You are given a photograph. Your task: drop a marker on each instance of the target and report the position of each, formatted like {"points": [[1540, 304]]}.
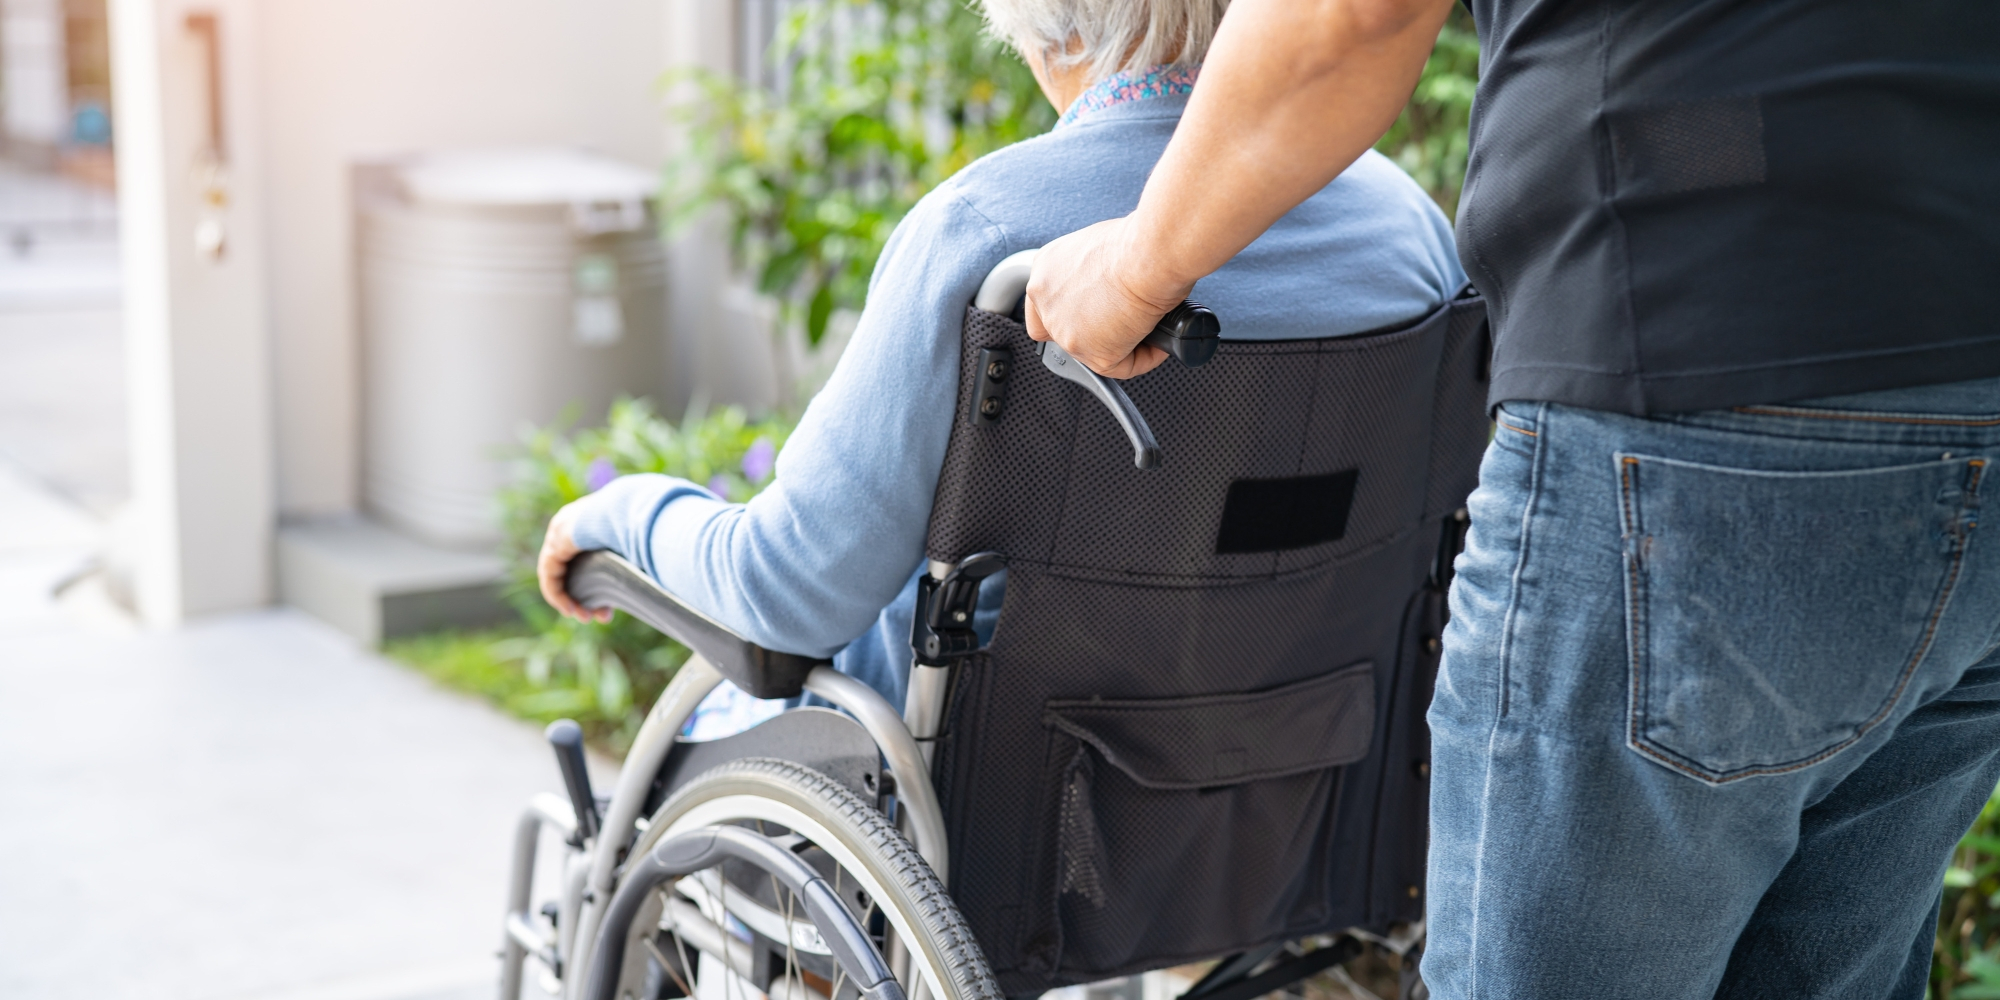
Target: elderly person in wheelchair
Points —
{"points": [[1210, 678]]}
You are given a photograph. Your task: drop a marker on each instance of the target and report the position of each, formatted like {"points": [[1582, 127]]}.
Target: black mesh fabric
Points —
{"points": [[1118, 794]]}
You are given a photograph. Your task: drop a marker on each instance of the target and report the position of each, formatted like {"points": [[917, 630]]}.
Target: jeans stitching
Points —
{"points": [[1872, 418], [1535, 461], [1945, 592], [1517, 430], [1634, 608]]}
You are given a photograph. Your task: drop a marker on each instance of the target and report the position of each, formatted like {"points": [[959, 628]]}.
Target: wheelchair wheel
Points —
{"points": [[871, 867]]}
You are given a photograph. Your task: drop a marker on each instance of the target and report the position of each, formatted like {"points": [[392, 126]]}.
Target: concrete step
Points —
{"points": [[374, 583]]}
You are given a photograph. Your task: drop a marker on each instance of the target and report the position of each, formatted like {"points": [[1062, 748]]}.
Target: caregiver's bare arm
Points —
{"points": [[1291, 93]]}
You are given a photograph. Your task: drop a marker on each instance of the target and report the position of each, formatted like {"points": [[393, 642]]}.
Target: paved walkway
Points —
{"points": [[250, 807], [62, 358]]}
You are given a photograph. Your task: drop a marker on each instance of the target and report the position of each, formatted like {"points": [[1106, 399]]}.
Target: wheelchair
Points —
{"points": [[1197, 731]]}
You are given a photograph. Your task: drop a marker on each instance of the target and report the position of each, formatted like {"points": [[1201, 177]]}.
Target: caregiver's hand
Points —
{"points": [[1291, 93], [1084, 297], [552, 567]]}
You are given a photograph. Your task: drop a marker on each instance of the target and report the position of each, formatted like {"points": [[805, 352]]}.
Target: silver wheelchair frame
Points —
{"points": [[590, 868], [567, 939], [590, 871]]}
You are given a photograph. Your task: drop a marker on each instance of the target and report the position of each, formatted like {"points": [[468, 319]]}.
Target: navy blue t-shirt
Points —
{"points": [[1704, 203]]}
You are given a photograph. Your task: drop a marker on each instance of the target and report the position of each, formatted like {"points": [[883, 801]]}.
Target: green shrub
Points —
{"points": [[604, 676], [879, 101], [1965, 962]]}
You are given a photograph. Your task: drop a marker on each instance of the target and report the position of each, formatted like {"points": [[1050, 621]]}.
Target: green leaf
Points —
{"points": [[817, 314]]}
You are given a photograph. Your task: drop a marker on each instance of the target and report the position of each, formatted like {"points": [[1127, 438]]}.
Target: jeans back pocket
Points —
{"points": [[1775, 617]]}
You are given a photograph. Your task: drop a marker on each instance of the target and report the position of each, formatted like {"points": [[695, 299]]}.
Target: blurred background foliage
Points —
{"points": [[875, 103], [1428, 140], [1965, 961], [548, 667], [878, 101]]}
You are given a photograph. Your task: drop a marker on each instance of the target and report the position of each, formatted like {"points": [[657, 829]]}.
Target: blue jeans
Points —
{"points": [[1719, 694]]}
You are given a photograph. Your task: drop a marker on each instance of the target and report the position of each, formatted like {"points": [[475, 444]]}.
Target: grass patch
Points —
{"points": [[541, 678]]}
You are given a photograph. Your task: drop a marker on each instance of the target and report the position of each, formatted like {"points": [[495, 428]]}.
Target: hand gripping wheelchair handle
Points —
{"points": [[1189, 331], [707, 847], [603, 579]]}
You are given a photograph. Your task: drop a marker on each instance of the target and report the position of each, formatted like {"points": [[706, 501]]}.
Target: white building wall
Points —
{"points": [[198, 371], [244, 369], [35, 83], [349, 79]]}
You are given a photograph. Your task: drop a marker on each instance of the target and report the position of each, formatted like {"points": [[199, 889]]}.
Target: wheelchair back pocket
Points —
{"points": [[1206, 814]]}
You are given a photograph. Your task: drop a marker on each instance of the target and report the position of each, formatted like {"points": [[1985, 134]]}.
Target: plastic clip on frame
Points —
{"points": [[1190, 332], [941, 632]]}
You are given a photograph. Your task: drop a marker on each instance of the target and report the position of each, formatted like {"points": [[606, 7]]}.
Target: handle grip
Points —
{"points": [[567, 739], [1189, 331]]}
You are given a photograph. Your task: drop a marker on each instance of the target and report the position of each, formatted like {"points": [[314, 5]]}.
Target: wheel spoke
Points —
{"points": [[865, 861]]}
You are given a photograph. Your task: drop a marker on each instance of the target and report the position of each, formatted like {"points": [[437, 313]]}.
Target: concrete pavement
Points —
{"points": [[248, 807], [62, 357]]}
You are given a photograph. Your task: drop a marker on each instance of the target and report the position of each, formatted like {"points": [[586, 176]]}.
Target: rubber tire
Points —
{"points": [[901, 880]]}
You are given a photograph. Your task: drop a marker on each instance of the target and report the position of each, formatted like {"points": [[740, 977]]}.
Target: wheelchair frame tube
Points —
{"points": [[906, 760], [543, 810], [695, 679], [693, 682], [707, 847], [923, 709]]}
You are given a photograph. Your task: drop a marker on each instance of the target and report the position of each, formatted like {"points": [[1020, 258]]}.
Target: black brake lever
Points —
{"points": [[1190, 332]]}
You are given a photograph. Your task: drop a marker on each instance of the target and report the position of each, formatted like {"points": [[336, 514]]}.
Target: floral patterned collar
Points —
{"points": [[1120, 88]]}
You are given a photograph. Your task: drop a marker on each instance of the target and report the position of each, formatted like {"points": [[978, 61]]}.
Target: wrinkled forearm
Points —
{"points": [[1291, 93]]}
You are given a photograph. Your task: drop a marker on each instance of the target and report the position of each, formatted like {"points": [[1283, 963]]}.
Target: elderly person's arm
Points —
{"points": [[809, 563], [1292, 92]]}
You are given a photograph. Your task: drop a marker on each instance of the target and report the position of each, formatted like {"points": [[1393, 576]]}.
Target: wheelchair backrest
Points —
{"points": [[1199, 725]]}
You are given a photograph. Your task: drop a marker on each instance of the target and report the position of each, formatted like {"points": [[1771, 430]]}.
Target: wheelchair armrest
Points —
{"points": [[603, 579]]}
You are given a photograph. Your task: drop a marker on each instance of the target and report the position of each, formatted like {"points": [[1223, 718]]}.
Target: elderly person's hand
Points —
{"points": [[552, 567], [1085, 296]]}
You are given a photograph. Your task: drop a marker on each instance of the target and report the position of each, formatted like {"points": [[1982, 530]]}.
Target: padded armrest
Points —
{"points": [[603, 579]]}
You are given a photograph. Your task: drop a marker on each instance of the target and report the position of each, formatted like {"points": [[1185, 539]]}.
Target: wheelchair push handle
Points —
{"points": [[1190, 332]]}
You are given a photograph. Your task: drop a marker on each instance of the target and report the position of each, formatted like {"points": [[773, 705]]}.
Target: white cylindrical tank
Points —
{"points": [[499, 289]]}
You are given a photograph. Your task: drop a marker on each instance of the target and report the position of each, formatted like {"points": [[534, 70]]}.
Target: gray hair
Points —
{"points": [[1116, 35]]}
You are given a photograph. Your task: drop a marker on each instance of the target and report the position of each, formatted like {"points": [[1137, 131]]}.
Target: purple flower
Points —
{"points": [[600, 474], [758, 460], [719, 485]]}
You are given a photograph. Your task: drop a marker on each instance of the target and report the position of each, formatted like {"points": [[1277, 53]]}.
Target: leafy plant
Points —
{"points": [[603, 675], [560, 672], [1965, 961], [1429, 138], [878, 102]]}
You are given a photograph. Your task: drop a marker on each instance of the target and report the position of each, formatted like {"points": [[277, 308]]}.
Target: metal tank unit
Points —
{"points": [[498, 289]]}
